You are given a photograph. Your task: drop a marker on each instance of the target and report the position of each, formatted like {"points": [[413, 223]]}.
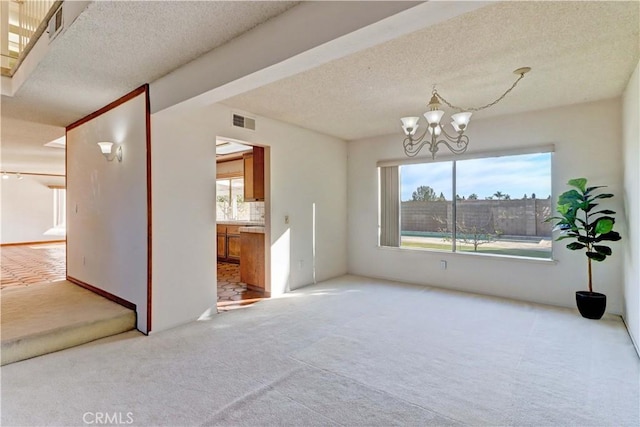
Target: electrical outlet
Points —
{"points": [[443, 265], [300, 264]]}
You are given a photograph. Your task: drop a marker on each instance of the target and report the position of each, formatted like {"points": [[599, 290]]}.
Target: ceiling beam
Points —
{"points": [[306, 36]]}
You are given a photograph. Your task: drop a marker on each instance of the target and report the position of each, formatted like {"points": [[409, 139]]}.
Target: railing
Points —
{"points": [[22, 22]]}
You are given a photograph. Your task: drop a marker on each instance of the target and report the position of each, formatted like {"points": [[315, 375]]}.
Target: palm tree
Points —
{"points": [[498, 195]]}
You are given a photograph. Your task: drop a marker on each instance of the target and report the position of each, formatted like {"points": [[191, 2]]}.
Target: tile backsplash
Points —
{"points": [[256, 211]]}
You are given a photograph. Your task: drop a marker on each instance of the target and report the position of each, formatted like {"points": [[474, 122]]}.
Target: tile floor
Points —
{"points": [[232, 293], [24, 265]]}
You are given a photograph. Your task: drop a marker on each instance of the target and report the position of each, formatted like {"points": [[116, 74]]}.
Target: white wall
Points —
{"points": [[631, 151], [305, 168], [107, 205], [588, 143], [27, 208]]}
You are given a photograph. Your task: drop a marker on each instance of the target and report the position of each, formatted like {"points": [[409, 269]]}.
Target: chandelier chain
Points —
{"points": [[491, 104]]}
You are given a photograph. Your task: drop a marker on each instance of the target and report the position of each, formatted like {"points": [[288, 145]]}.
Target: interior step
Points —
{"points": [[47, 317]]}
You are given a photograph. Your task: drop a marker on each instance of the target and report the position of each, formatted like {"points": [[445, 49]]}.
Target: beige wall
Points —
{"points": [[27, 208], [631, 150], [107, 205], [306, 168], [587, 141]]}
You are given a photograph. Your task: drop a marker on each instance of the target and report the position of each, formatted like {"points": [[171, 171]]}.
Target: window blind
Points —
{"points": [[390, 206]]}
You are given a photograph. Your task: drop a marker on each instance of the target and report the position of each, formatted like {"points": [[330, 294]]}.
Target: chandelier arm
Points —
{"points": [[413, 140], [451, 138], [462, 143], [491, 104], [413, 147]]}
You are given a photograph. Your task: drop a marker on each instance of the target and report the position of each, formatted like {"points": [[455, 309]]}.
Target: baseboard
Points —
{"points": [[259, 289], [103, 293], [44, 242], [635, 344]]}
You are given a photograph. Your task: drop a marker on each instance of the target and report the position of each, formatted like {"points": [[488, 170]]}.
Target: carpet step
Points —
{"points": [[48, 317]]}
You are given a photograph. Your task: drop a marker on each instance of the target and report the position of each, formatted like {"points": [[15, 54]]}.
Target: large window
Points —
{"points": [[59, 208], [59, 212], [492, 205], [230, 204]]}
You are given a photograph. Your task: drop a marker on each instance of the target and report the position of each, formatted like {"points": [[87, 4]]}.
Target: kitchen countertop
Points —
{"points": [[241, 223], [252, 229]]}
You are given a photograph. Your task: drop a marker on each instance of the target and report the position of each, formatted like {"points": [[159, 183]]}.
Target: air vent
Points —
{"points": [[244, 122], [55, 24]]}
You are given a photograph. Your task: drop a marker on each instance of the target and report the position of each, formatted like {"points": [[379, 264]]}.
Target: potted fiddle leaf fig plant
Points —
{"points": [[589, 227]]}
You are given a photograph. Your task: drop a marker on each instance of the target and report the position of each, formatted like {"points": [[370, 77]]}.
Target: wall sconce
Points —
{"points": [[106, 147]]}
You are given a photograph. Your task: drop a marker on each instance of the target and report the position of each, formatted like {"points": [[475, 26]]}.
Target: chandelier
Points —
{"points": [[435, 134]]}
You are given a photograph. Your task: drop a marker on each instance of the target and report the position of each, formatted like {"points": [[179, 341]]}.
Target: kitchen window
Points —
{"points": [[230, 204]]}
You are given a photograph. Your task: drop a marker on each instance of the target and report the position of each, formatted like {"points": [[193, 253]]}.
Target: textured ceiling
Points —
{"points": [[112, 48], [579, 51]]}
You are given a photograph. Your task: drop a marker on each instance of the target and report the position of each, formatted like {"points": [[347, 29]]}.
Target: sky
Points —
{"points": [[512, 175]]}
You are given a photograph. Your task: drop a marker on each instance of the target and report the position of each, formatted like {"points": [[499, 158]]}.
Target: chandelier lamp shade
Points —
{"points": [[435, 134]]}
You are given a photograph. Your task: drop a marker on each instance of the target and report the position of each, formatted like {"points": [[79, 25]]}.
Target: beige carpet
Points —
{"points": [[42, 318], [351, 352]]}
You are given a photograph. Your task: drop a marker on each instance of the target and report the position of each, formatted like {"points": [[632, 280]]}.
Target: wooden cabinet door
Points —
{"points": [[252, 265], [233, 229], [258, 173], [248, 176], [222, 245], [254, 175], [233, 247]]}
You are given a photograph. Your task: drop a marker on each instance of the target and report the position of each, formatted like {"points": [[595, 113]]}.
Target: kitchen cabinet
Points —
{"points": [[233, 247], [228, 238], [252, 264], [222, 245], [254, 175]]}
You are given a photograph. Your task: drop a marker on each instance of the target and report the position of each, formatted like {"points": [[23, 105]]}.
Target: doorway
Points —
{"points": [[241, 198]]}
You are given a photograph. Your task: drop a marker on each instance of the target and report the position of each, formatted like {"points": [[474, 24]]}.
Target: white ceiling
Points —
{"points": [[112, 48], [579, 51], [23, 150]]}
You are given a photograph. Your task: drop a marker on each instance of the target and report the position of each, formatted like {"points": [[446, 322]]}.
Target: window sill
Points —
{"points": [[547, 261]]}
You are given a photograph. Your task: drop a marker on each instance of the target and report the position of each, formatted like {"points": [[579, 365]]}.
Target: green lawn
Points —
{"points": [[531, 253]]}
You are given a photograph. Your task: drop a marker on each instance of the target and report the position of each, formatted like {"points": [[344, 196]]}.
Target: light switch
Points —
{"points": [[286, 219]]}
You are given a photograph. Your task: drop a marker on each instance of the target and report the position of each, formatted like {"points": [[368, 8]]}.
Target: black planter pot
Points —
{"points": [[591, 304]]}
